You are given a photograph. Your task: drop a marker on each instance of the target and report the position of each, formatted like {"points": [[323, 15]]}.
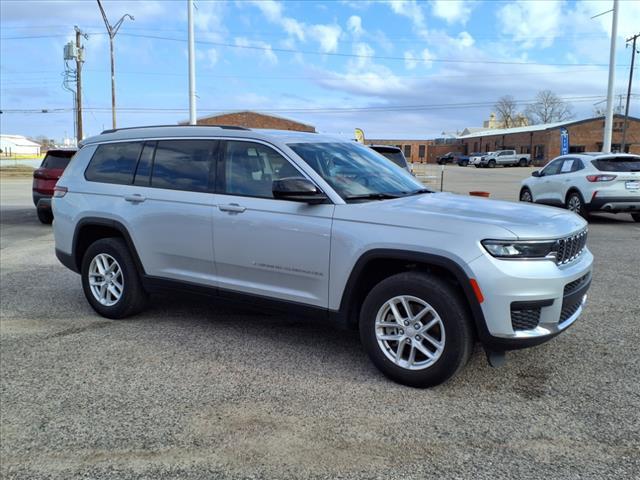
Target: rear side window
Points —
{"points": [[618, 164], [184, 164], [114, 163], [57, 160]]}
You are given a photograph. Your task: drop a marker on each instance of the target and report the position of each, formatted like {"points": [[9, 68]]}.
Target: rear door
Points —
{"points": [[264, 246], [169, 208]]}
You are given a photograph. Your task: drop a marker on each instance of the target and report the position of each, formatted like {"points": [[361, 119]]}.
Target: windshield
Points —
{"points": [[618, 164], [354, 170]]}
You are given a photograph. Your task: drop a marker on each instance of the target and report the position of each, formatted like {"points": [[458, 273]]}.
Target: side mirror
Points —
{"points": [[536, 173], [297, 189]]}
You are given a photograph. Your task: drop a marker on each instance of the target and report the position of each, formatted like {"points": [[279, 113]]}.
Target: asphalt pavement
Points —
{"points": [[193, 389]]}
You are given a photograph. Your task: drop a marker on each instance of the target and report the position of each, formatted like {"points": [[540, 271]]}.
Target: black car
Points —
{"points": [[392, 153]]}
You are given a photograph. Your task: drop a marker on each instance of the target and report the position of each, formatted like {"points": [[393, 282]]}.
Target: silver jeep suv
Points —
{"points": [[323, 226]]}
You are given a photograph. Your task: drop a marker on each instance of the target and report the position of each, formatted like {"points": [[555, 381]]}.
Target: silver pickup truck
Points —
{"points": [[507, 158]]}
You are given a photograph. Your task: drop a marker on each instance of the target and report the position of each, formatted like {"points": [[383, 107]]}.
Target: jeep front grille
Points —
{"points": [[570, 248]]}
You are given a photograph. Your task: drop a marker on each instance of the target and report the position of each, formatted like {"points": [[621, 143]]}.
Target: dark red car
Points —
{"points": [[45, 179]]}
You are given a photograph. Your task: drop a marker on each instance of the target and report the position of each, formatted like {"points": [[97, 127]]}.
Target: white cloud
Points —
{"points": [[327, 36], [263, 48], [364, 51], [354, 25], [410, 60], [452, 11], [465, 40], [212, 56], [413, 11], [531, 23]]}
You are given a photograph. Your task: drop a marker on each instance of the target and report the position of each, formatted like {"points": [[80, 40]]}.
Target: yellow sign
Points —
{"points": [[359, 136]]}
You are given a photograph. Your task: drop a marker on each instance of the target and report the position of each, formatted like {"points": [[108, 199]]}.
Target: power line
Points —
{"points": [[382, 108]]}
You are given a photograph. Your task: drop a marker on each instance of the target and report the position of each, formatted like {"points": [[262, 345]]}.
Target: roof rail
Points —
{"points": [[226, 127]]}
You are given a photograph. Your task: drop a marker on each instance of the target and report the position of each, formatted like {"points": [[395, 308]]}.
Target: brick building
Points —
{"points": [[255, 120], [543, 141], [421, 151]]}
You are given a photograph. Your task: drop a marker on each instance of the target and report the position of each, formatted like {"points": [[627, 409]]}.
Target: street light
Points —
{"points": [[112, 30]]}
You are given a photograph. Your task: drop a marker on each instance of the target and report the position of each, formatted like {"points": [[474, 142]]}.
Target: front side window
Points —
{"points": [[184, 164], [553, 167], [354, 170], [114, 163], [250, 169]]}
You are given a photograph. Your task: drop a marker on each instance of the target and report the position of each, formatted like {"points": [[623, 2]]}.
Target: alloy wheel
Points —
{"points": [[574, 204], [410, 332], [105, 279], [525, 196]]}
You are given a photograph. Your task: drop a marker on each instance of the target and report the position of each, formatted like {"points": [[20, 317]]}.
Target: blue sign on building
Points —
{"points": [[564, 141]]}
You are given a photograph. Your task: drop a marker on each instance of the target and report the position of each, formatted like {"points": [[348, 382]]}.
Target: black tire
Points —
{"points": [[133, 298], [45, 216], [491, 164], [522, 162], [575, 203], [476, 165], [464, 163], [636, 217], [450, 307], [526, 195]]}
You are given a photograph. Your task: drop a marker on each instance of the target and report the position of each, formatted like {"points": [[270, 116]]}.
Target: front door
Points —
{"points": [[264, 246]]}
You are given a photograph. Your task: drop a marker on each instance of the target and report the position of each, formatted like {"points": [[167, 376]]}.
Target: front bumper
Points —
{"points": [[541, 289]]}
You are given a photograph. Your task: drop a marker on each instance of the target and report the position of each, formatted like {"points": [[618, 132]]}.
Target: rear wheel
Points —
{"points": [[110, 279], [492, 164], [575, 203], [464, 163], [522, 162], [525, 195], [45, 216], [636, 217], [415, 329]]}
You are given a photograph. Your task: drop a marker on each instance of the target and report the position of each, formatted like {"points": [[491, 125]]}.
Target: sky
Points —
{"points": [[396, 69]]}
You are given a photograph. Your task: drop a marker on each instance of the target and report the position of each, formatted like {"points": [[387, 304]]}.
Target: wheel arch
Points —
{"points": [[90, 229], [376, 265], [573, 189]]}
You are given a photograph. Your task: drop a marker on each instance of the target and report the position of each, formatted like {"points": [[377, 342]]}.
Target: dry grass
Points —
{"points": [[20, 171]]}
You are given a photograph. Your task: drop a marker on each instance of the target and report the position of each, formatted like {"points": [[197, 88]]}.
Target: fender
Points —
{"points": [[445, 263], [104, 222]]}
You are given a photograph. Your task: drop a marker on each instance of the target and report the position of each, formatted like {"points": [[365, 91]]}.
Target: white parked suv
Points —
{"points": [[322, 226], [588, 182]]}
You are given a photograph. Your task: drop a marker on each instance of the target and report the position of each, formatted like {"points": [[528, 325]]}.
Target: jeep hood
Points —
{"points": [[461, 214]]}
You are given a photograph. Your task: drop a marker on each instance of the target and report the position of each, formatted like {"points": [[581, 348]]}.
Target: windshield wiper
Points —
{"points": [[418, 192], [373, 196]]}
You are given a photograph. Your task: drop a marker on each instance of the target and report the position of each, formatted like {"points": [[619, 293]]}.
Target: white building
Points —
{"points": [[18, 145]]}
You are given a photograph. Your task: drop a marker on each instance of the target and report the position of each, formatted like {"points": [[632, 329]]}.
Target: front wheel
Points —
{"points": [[415, 329], [110, 279], [525, 195], [575, 203]]}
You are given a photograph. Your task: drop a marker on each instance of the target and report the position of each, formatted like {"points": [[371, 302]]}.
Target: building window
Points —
{"points": [[421, 151], [576, 148], [526, 149], [407, 151], [399, 146], [539, 152], [475, 146]]}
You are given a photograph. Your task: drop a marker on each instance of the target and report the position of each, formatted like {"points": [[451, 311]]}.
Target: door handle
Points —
{"points": [[135, 198], [231, 208]]}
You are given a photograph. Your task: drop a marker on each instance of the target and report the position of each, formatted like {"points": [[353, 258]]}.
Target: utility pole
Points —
{"points": [[112, 30], [608, 122], [79, 62], [192, 66], [626, 110]]}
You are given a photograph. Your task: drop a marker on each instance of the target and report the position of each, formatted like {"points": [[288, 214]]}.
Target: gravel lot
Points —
{"points": [[194, 389]]}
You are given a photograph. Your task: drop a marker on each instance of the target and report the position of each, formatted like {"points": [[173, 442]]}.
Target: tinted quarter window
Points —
{"points": [[250, 169], [114, 163], [183, 164], [57, 160], [143, 172]]}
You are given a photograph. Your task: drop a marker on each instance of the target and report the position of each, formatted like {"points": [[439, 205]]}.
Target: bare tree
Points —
{"points": [[506, 110], [547, 108]]}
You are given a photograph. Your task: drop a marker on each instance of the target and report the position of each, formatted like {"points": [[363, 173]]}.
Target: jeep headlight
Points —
{"points": [[521, 249]]}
